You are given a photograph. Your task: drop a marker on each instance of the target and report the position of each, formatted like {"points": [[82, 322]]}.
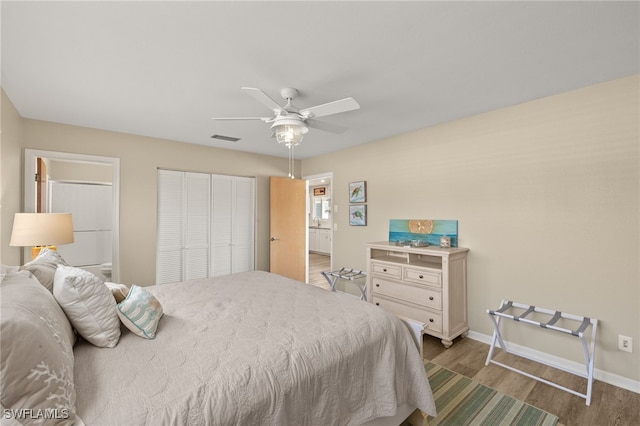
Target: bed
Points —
{"points": [[250, 349]]}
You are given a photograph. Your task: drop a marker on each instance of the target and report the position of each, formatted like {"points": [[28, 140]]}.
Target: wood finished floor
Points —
{"points": [[318, 263], [610, 405]]}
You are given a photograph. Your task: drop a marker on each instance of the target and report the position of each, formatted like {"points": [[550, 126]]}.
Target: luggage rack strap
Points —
{"points": [[585, 323], [347, 274]]}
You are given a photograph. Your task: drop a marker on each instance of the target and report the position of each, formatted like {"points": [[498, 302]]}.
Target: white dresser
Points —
{"points": [[425, 284]]}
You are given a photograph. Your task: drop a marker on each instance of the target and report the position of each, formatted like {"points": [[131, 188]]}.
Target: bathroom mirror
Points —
{"points": [[87, 186]]}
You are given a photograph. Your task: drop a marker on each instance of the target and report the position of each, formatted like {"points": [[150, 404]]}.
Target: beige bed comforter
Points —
{"points": [[254, 349]]}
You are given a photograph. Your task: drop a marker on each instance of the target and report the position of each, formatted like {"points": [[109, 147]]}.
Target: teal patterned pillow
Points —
{"points": [[140, 312]]}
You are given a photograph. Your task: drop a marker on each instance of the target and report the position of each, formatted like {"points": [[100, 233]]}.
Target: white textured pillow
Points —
{"points": [[89, 305], [140, 312]]}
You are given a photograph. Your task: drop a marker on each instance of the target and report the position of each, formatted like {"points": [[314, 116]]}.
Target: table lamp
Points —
{"points": [[41, 230]]}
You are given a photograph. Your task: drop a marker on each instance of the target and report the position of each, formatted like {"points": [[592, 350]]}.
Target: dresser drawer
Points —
{"points": [[432, 319], [420, 295], [422, 277], [391, 271]]}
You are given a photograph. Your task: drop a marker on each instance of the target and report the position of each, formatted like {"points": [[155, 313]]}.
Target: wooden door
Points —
{"points": [[288, 227]]}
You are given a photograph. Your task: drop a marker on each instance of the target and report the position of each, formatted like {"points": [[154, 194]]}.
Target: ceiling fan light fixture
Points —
{"points": [[289, 123], [289, 132]]}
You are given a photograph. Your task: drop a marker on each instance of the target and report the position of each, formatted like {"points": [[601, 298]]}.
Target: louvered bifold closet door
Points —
{"points": [[222, 217], [243, 229], [206, 225], [170, 227], [233, 224], [196, 228], [183, 226]]}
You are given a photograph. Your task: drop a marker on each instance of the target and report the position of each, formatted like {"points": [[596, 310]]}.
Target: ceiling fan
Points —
{"points": [[290, 124]]}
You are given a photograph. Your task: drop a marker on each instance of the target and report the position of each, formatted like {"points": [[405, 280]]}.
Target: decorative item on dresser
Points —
{"points": [[425, 284]]}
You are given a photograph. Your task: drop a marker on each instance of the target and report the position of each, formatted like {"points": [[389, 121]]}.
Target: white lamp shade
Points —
{"points": [[41, 229]]}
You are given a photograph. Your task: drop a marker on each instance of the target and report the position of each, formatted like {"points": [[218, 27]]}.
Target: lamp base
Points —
{"points": [[35, 250]]}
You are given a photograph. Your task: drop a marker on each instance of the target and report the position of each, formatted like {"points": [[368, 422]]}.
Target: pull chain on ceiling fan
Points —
{"points": [[292, 164]]}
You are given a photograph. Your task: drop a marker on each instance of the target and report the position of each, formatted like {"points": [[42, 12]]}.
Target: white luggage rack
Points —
{"points": [[582, 324], [348, 274]]}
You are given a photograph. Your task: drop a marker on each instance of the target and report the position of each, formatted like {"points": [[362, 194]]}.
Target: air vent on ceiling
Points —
{"points": [[225, 138]]}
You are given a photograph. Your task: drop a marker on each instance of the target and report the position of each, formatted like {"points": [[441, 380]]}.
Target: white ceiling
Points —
{"points": [[163, 69]]}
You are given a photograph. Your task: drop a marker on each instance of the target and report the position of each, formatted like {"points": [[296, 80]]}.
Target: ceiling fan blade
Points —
{"points": [[263, 98], [335, 107], [327, 127], [265, 119]]}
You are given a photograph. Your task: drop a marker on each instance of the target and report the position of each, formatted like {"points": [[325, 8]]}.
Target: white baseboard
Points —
{"points": [[571, 366]]}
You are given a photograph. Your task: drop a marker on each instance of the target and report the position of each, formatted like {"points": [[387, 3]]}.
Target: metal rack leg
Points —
{"points": [[496, 336], [331, 279]]}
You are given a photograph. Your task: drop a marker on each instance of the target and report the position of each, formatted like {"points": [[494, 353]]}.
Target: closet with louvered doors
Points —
{"points": [[206, 225]]}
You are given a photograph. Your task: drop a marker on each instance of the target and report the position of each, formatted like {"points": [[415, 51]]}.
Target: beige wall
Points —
{"points": [[140, 157], [11, 160], [547, 198]]}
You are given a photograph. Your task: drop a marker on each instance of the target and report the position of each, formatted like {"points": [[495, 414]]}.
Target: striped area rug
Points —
{"points": [[461, 401]]}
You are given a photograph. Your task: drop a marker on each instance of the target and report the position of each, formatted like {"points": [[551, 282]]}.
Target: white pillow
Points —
{"points": [[140, 312], [89, 305]]}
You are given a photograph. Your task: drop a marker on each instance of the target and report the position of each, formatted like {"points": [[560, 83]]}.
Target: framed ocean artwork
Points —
{"points": [[423, 230], [358, 192], [358, 215]]}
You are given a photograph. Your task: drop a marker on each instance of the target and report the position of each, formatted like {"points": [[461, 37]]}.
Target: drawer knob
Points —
{"points": [[377, 285], [430, 319], [430, 297], [377, 304], [421, 276], [384, 270]]}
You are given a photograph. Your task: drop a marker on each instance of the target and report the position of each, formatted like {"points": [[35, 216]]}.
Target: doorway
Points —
{"points": [[105, 172], [320, 229]]}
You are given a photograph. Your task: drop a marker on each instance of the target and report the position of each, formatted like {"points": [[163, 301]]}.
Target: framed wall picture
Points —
{"points": [[320, 190], [358, 192], [358, 215]]}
